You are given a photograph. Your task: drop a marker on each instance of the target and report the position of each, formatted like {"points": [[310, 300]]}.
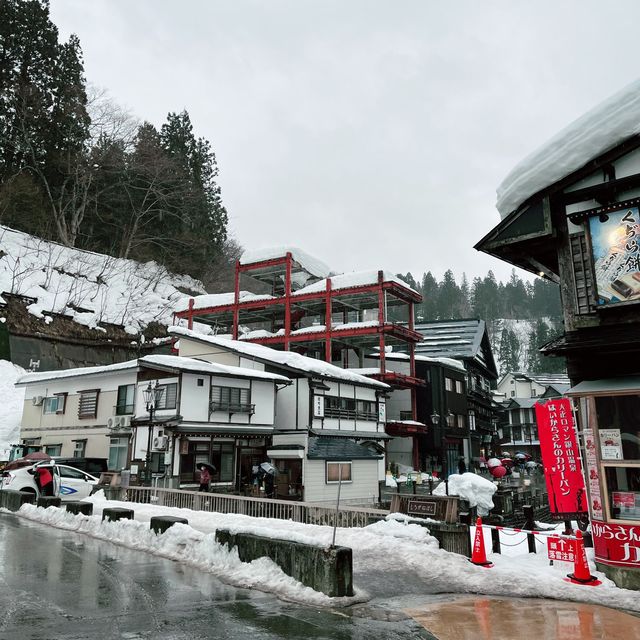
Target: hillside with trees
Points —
{"points": [[521, 316], [78, 169]]}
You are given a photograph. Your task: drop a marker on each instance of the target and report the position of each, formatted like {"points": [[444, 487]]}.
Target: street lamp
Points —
{"points": [[152, 396], [435, 421]]}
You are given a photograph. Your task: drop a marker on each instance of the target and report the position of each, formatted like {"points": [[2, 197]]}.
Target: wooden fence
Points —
{"points": [[304, 512]]}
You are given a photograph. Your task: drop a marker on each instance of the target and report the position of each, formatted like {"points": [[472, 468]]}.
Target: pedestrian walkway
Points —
{"points": [[488, 618]]}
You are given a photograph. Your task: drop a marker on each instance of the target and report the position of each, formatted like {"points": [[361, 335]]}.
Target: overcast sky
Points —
{"points": [[371, 134]]}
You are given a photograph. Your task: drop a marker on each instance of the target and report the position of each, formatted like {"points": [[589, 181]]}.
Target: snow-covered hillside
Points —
{"points": [[11, 400], [91, 288], [522, 330]]}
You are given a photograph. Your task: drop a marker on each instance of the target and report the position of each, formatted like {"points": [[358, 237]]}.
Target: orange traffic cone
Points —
{"points": [[581, 573], [478, 555]]}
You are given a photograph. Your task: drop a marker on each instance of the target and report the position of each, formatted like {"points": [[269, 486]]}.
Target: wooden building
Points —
{"points": [[570, 213]]}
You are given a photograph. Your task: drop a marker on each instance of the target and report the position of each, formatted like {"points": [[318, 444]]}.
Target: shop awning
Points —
{"points": [[286, 452], [606, 387], [230, 431], [354, 435]]}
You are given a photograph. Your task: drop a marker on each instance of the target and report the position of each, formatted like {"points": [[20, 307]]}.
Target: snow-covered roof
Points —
{"points": [[447, 362], [43, 376], [353, 279], [218, 300], [287, 359], [312, 265], [181, 363], [178, 363], [91, 288], [600, 129]]}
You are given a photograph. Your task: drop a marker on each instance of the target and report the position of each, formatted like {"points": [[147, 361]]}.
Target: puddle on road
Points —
{"points": [[488, 618]]}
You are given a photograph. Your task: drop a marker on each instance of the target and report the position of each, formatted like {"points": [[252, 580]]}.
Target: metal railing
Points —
{"points": [[232, 407], [304, 512]]}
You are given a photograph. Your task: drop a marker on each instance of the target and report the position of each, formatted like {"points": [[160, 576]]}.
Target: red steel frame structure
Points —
{"points": [[286, 304]]}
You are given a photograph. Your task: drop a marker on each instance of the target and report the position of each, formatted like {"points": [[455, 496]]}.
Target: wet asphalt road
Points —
{"points": [[56, 584]]}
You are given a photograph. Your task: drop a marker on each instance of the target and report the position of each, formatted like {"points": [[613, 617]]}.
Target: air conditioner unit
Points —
{"points": [[160, 443], [125, 421], [111, 423], [37, 400]]}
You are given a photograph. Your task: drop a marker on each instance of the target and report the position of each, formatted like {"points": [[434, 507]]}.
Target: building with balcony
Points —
{"points": [[329, 422], [467, 429]]}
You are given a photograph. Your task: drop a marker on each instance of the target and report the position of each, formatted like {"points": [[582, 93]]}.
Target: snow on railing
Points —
{"points": [[303, 512]]}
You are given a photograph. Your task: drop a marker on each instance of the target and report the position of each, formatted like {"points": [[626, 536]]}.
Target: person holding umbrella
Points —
{"points": [[205, 476]]}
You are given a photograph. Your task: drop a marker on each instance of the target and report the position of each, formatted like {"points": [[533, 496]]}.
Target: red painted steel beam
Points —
{"points": [[327, 321], [254, 266]]}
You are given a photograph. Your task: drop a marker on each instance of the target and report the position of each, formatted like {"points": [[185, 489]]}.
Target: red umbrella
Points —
{"points": [[507, 462], [27, 461], [37, 455]]}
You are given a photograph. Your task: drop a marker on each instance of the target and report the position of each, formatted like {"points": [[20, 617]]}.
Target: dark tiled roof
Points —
{"points": [[338, 449], [460, 339]]}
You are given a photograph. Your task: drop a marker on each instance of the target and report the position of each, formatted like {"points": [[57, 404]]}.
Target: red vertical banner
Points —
{"points": [[561, 459]]}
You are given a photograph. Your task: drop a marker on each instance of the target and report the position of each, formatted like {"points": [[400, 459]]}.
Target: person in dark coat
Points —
{"points": [[462, 467], [205, 479]]}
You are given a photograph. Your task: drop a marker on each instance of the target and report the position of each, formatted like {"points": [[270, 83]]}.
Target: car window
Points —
{"points": [[68, 472]]}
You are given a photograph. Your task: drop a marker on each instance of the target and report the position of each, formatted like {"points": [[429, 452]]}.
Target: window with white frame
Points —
{"points": [[338, 472], [53, 450], [79, 448], [459, 387], [448, 384], [118, 449], [54, 404]]}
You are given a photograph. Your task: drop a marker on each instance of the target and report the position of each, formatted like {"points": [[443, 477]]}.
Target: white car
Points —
{"points": [[68, 483]]}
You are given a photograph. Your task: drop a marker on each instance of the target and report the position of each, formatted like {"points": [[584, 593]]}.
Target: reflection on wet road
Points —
{"points": [[57, 584]]}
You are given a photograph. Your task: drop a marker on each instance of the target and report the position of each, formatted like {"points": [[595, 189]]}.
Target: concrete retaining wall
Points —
{"points": [[13, 500], [329, 570]]}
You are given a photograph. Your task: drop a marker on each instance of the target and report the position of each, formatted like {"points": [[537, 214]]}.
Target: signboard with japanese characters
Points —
{"points": [[615, 242], [561, 549], [318, 406], [593, 477], [561, 459], [610, 444], [616, 544]]}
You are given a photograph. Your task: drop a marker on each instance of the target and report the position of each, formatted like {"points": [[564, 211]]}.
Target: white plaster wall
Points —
{"points": [[364, 487], [194, 400]]}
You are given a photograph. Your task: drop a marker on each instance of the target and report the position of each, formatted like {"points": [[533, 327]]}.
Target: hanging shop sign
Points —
{"points": [[616, 544], [561, 459], [615, 243]]}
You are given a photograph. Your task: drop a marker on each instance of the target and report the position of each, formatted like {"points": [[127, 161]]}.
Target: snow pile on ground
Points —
{"points": [[11, 401], [91, 288], [600, 129], [472, 487], [399, 549]]}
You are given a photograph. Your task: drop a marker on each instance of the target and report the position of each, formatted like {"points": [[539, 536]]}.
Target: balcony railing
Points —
{"points": [[233, 407], [350, 414], [123, 409]]}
